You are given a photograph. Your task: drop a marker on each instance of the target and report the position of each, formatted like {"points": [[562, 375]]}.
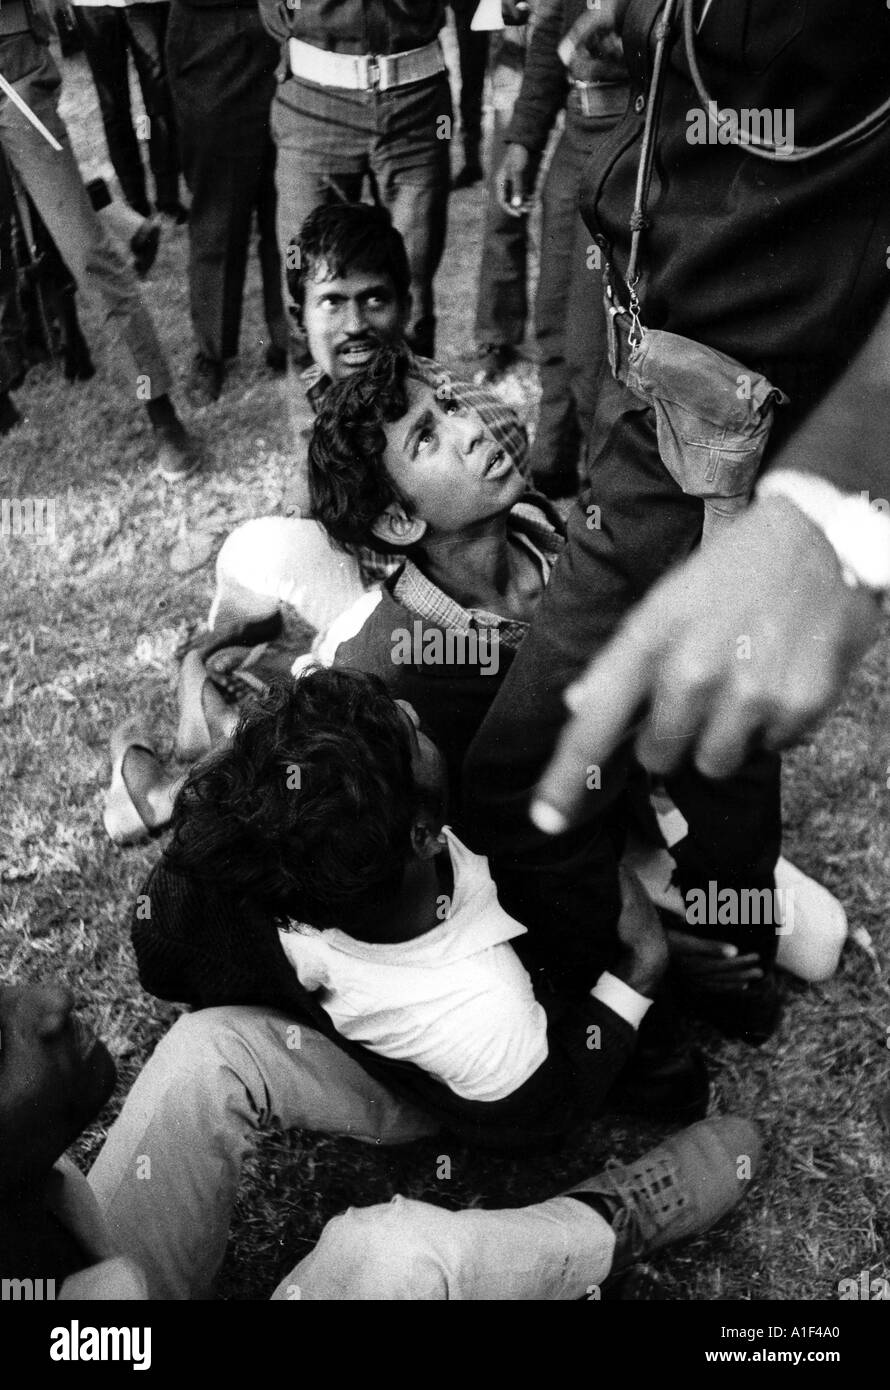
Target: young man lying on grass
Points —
{"points": [[400, 460], [296, 560], [351, 295], [350, 292]]}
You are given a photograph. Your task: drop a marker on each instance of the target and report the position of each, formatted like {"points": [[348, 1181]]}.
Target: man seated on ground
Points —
{"points": [[55, 1077], [316, 833], [400, 1014]]}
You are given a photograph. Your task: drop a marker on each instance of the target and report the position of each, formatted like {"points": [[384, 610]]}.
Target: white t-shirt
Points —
{"points": [[456, 1001]]}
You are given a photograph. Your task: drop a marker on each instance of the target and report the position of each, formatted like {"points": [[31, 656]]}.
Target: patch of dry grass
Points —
{"points": [[88, 627]]}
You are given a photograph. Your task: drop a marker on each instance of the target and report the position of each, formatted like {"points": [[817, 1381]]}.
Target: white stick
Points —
{"points": [[25, 109]]}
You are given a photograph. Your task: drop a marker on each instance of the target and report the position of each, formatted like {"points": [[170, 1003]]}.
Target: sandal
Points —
{"points": [[124, 822]]}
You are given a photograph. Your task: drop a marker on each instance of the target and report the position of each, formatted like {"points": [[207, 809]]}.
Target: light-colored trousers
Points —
{"points": [[280, 559], [53, 181], [559, 1250], [167, 1177]]}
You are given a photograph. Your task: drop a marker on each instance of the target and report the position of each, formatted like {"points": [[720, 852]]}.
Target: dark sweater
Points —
{"points": [[545, 83], [197, 945], [452, 700]]}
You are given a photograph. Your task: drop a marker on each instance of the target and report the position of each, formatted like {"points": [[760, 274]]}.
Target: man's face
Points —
{"points": [[346, 317], [54, 1079], [445, 459]]}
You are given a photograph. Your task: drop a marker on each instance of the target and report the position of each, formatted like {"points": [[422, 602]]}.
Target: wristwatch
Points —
{"points": [[858, 533]]}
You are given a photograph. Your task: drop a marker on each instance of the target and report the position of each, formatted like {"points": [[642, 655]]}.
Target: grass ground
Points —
{"points": [[86, 637]]}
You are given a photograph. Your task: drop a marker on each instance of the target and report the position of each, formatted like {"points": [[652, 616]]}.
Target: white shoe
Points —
{"points": [[810, 940]]}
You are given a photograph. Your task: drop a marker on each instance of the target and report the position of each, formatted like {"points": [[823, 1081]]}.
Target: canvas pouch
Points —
{"points": [[712, 414]]}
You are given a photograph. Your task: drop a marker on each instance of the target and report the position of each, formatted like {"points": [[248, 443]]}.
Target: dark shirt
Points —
{"points": [[781, 265], [546, 82], [356, 26], [451, 697]]}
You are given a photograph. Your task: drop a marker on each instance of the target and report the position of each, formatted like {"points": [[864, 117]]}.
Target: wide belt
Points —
{"points": [[598, 98], [364, 72]]}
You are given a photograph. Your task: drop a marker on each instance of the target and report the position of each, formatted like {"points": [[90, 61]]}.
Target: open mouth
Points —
{"points": [[499, 464], [356, 354]]}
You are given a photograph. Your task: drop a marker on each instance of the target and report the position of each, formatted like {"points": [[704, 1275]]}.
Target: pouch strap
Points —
{"points": [[762, 149], [647, 146]]}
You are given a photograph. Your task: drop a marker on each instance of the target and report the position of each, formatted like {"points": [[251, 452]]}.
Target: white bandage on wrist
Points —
{"points": [[858, 534]]}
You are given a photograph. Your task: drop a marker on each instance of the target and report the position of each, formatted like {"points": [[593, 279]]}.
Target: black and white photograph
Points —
{"points": [[444, 665]]}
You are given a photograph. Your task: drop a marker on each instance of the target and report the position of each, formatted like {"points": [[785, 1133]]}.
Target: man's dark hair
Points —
{"points": [[349, 486], [345, 238], [308, 812]]}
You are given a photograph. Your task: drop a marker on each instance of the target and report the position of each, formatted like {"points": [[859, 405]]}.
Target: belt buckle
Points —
{"points": [[389, 69], [368, 67]]}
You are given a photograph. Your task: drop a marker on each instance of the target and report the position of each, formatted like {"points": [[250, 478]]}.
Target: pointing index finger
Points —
{"points": [[604, 705]]}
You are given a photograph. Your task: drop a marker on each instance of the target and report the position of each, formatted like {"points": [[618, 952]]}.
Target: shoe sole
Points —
{"points": [[121, 818]]}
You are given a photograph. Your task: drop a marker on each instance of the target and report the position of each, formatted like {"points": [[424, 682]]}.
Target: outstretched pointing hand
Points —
{"points": [[746, 644]]}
